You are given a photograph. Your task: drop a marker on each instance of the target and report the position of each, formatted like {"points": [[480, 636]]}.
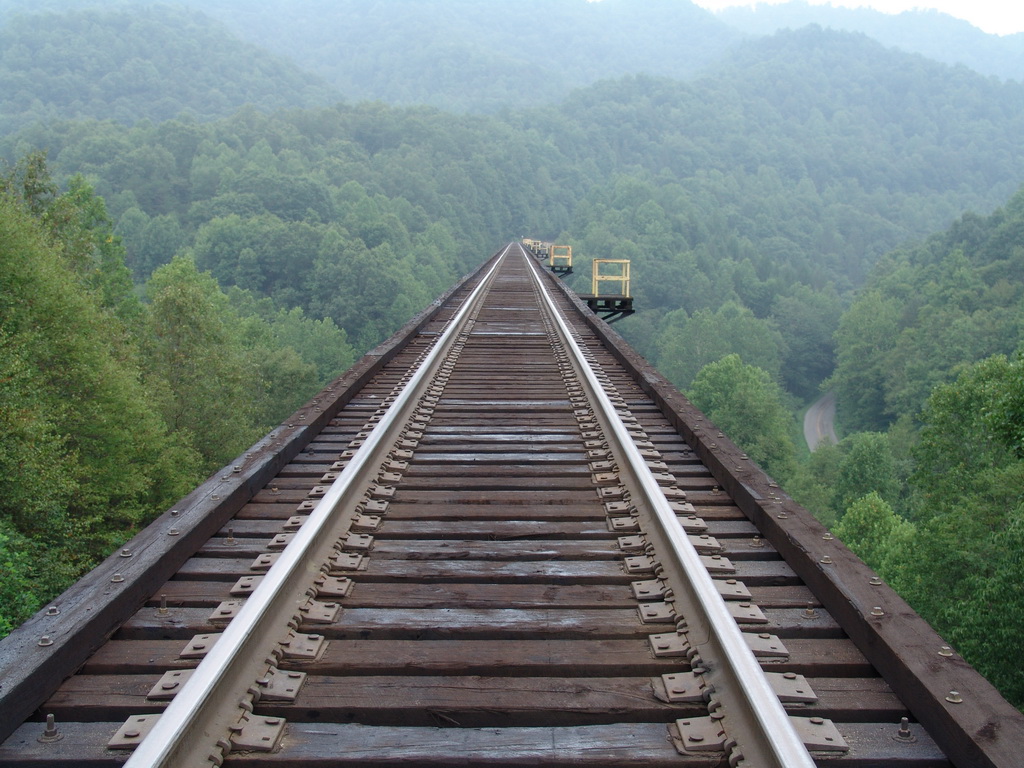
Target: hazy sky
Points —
{"points": [[999, 17]]}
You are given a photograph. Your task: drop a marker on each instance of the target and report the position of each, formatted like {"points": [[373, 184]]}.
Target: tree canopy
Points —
{"points": [[111, 408]]}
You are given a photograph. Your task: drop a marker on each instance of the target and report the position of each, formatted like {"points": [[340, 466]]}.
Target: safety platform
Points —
{"points": [[537, 247], [561, 259], [609, 298]]}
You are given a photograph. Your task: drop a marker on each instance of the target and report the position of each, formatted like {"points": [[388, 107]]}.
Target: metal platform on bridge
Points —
{"points": [[561, 259], [610, 308]]}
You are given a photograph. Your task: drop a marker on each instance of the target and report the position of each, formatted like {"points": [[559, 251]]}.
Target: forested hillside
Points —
{"points": [[482, 57], [931, 365], [464, 54], [927, 32], [767, 191], [111, 408], [221, 261], [150, 63]]}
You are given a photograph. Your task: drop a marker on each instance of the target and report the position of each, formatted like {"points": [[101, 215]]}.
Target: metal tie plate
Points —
{"points": [[704, 544], [245, 585], [717, 564], [632, 543], [280, 541], [225, 612], [280, 685], [623, 524], [819, 734], [302, 647], [732, 590], [199, 646], [791, 688], [693, 525], [333, 586], [382, 492], [664, 479], [295, 522], [679, 687], [640, 564], [169, 685], [766, 646], [657, 613], [682, 507], [746, 613], [613, 492], [669, 644], [134, 730], [650, 589], [700, 734], [345, 561], [360, 542], [379, 506], [265, 561], [257, 734], [316, 612]]}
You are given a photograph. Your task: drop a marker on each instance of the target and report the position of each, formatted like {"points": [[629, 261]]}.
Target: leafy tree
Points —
{"points": [[748, 406], [687, 345], [318, 342], [962, 569], [969, 436], [209, 391], [985, 624], [19, 589], [867, 329], [85, 459], [867, 466], [813, 483], [876, 533], [807, 321]]}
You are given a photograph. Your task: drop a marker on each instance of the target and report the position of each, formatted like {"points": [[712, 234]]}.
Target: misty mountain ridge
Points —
{"points": [[457, 55], [133, 63], [928, 32]]}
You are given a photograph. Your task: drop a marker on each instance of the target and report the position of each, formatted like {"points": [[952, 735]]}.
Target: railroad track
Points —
{"points": [[500, 540]]}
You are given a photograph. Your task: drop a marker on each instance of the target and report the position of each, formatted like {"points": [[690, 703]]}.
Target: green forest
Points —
{"points": [[203, 222]]}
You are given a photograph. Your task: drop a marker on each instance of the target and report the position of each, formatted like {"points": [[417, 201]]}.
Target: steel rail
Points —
{"points": [[196, 723], [753, 715]]}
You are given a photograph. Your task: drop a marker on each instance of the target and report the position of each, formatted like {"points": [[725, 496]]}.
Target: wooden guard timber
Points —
{"points": [[489, 602]]}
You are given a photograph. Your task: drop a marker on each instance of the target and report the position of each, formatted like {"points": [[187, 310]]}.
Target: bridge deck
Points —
{"points": [[495, 617]]}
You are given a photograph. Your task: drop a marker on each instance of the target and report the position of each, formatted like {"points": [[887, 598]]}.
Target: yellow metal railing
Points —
{"points": [[614, 271], [560, 256]]}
